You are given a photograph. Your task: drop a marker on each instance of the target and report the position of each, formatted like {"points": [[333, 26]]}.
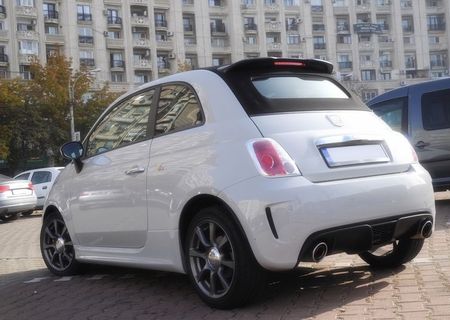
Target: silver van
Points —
{"points": [[422, 113]]}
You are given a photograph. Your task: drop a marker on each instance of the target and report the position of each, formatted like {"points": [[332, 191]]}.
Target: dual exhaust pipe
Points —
{"points": [[320, 250]]}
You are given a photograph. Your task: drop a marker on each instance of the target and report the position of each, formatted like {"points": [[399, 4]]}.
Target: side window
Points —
{"points": [[22, 176], [394, 112], [178, 108], [126, 123], [436, 110], [41, 177]]}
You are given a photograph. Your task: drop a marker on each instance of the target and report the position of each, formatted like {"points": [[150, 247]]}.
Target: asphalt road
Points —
{"points": [[340, 287]]}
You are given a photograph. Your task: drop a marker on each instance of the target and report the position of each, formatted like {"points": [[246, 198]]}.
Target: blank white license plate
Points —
{"points": [[21, 192], [354, 155]]}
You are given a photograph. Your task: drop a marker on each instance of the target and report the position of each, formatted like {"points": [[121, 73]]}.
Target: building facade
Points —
{"points": [[375, 45]]}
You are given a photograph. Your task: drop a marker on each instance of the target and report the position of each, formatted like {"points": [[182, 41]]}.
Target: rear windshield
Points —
{"points": [[304, 87], [278, 92]]}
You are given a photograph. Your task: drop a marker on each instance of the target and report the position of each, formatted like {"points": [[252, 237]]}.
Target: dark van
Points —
{"points": [[422, 112]]}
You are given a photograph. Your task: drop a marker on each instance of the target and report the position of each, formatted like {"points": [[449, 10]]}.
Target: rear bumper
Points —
{"points": [[357, 238], [299, 209], [17, 205]]}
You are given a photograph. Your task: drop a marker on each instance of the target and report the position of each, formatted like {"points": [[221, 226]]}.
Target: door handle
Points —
{"points": [[135, 171], [44, 188], [421, 144]]}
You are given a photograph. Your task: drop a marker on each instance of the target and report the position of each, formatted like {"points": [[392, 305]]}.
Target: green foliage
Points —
{"points": [[34, 114]]}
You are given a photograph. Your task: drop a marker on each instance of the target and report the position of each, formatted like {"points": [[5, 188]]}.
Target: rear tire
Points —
{"points": [[219, 262], [56, 246], [401, 251], [9, 216]]}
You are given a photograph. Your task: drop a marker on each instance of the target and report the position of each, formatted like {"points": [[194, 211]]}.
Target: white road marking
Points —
{"points": [[63, 279], [35, 280], [97, 277]]}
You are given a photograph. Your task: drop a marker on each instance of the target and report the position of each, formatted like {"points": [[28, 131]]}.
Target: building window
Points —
{"points": [[25, 3], [410, 61], [293, 39], [438, 60], [344, 39], [368, 75], [385, 76], [51, 29], [28, 47], [84, 12], [436, 22], [369, 94], [407, 24], [319, 42], [291, 3], [117, 77]]}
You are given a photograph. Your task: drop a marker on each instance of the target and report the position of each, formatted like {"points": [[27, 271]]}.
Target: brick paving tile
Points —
{"points": [[411, 306], [416, 315]]}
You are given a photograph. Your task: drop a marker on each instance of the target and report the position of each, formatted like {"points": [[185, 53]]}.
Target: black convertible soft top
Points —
{"points": [[242, 76]]}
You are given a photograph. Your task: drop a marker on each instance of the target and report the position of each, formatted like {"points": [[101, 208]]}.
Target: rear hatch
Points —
{"points": [[14, 189], [329, 133]]}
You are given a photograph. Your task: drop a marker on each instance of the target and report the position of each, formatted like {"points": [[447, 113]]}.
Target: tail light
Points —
{"points": [[4, 188], [30, 186], [271, 159]]}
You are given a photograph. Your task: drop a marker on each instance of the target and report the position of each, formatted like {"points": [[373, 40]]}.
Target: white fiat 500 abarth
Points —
{"points": [[223, 173]]}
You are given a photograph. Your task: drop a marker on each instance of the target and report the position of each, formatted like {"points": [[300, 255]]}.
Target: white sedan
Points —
{"points": [[226, 172]]}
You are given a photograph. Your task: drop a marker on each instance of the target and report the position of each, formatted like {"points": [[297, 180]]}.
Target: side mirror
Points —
{"points": [[74, 151]]}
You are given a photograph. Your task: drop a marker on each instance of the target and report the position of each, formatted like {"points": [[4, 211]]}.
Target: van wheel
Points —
{"points": [[219, 262], [56, 246], [394, 254]]}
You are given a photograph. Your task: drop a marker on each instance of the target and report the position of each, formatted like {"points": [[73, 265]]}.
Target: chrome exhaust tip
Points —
{"points": [[426, 229], [319, 251]]}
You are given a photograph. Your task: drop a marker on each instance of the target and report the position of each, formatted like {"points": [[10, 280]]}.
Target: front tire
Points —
{"points": [[393, 255], [220, 264], [56, 246]]}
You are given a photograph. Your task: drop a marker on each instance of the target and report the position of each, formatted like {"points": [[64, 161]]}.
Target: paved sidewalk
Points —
{"points": [[340, 287]]}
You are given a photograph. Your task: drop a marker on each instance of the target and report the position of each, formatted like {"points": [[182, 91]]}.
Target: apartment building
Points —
{"points": [[375, 45]]}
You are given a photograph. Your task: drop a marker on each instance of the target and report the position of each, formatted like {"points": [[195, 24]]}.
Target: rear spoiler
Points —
{"points": [[271, 63]]}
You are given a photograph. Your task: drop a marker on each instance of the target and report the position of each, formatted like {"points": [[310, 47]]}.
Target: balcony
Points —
{"points": [[84, 18], [218, 29], [345, 65], [140, 20], [27, 58], [87, 62], [3, 59], [320, 46], [87, 40], [343, 27], [337, 10], [113, 2], [117, 64], [138, 2], [317, 9], [251, 47], [271, 6], [386, 64], [248, 6], [114, 22], [2, 12], [161, 25], [4, 35], [56, 39], [24, 11], [251, 28], [384, 7], [114, 43], [27, 35], [273, 46], [318, 28], [436, 26], [141, 43], [291, 26], [142, 64], [51, 16], [273, 26], [164, 44]]}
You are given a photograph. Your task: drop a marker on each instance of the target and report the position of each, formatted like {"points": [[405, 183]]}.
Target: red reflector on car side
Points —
{"points": [[289, 63]]}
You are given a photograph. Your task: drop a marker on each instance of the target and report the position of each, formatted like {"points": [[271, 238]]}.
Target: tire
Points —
{"points": [[219, 261], [398, 253], [27, 213], [56, 246], [9, 216]]}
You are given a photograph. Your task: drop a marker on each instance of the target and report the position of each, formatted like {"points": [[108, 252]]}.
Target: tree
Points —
{"points": [[34, 114]]}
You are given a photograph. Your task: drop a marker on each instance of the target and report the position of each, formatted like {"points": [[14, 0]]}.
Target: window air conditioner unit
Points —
{"points": [[170, 33], [171, 56]]}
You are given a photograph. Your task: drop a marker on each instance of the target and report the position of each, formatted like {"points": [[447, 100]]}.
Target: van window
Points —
{"points": [[436, 110], [394, 113]]}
